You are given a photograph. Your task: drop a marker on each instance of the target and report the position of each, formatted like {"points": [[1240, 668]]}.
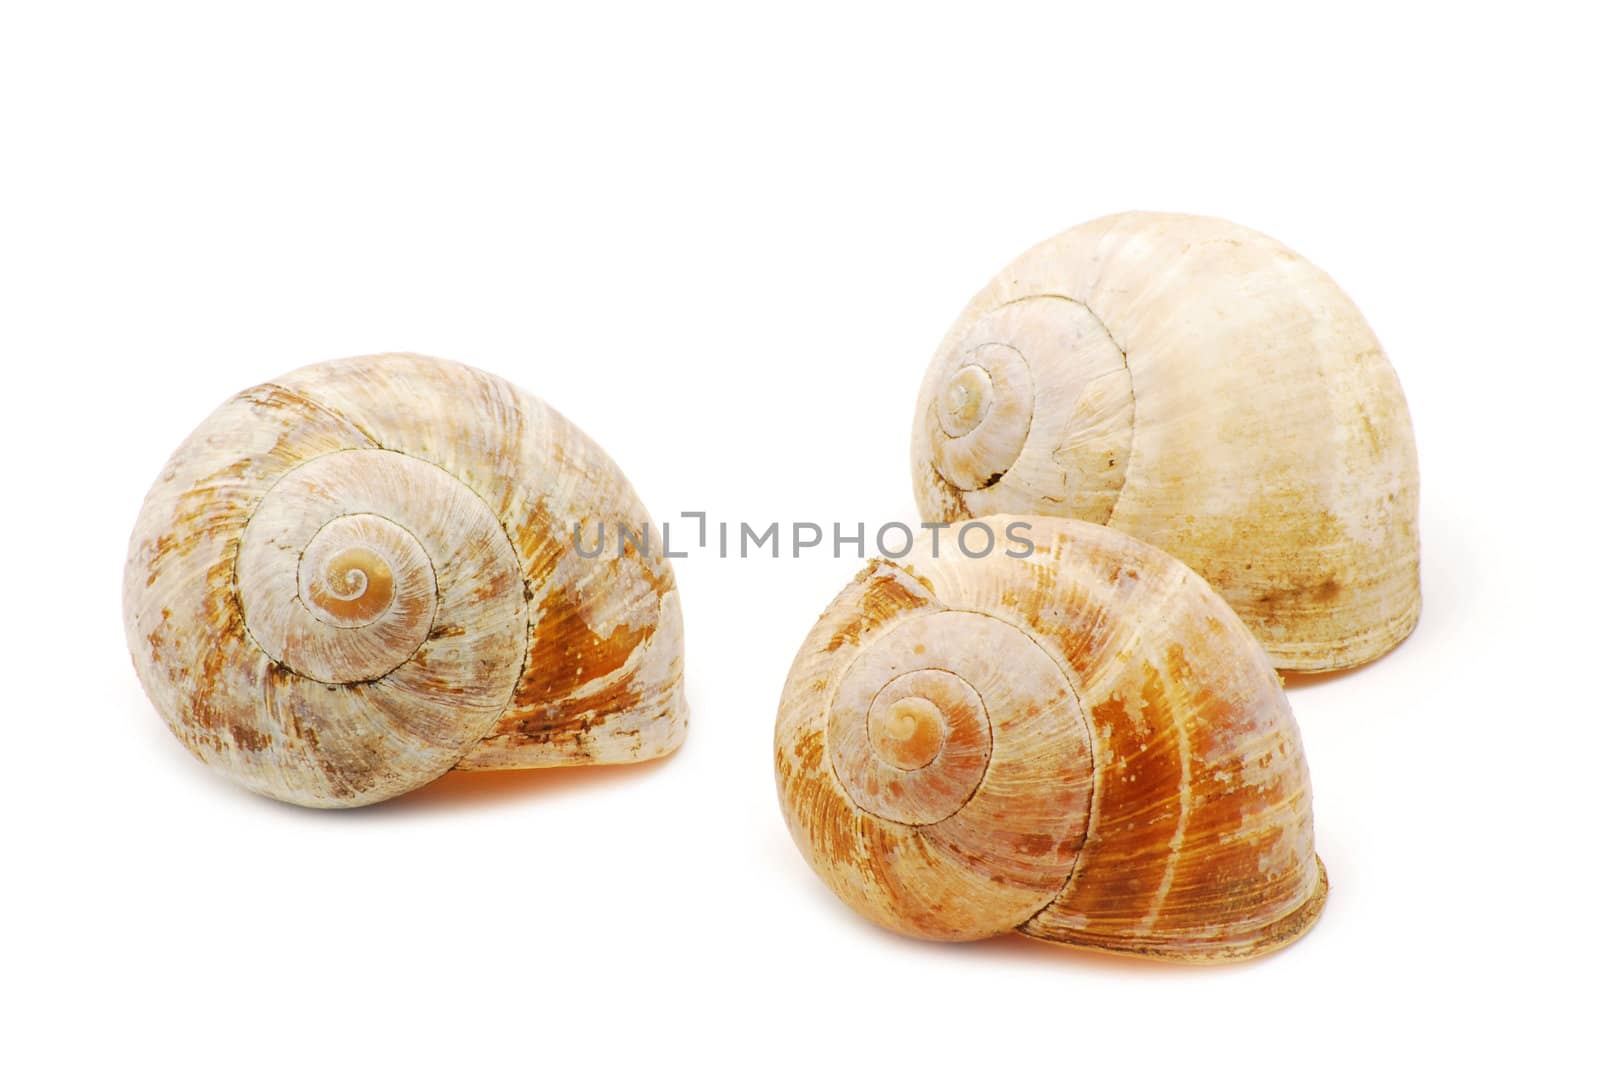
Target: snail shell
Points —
{"points": [[1085, 745], [1201, 387], [360, 575]]}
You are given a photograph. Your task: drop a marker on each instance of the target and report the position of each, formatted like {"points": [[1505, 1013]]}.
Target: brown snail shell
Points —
{"points": [[1202, 387], [1085, 745], [361, 574]]}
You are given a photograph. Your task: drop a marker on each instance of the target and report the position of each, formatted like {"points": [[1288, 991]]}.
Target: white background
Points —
{"points": [[725, 243]]}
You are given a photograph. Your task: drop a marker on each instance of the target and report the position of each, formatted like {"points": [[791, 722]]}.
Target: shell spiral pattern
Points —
{"points": [[1205, 389], [360, 575], [1085, 745]]}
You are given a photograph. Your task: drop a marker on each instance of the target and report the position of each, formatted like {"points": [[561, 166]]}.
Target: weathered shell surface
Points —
{"points": [[1085, 745], [360, 575], [1201, 387]]}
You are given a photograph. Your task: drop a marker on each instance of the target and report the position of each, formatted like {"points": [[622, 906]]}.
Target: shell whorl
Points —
{"points": [[1085, 746], [351, 560], [359, 576], [957, 733], [1003, 421], [1203, 388]]}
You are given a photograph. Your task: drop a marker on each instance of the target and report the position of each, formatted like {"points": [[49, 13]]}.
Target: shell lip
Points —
{"points": [[1270, 938], [1315, 660]]}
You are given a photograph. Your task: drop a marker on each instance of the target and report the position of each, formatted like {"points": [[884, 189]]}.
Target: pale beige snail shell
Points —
{"points": [[1085, 745], [1202, 387], [362, 574]]}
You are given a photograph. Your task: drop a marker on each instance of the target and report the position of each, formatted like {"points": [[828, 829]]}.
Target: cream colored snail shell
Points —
{"points": [[1201, 387], [1085, 745], [362, 574]]}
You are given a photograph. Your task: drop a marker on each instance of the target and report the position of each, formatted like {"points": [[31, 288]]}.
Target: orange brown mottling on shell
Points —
{"points": [[1142, 790], [360, 575], [1202, 387]]}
